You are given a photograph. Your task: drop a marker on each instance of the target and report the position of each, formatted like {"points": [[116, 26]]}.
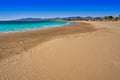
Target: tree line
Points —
{"points": [[105, 18]]}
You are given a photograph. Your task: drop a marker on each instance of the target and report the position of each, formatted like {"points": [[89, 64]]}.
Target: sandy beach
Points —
{"points": [[83, 51]]}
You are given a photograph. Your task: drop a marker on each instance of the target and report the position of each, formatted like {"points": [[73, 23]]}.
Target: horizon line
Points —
{"points": [[55, 17]]}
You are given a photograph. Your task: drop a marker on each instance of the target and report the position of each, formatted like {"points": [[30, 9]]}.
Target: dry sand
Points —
{"points": [[94, 55], [16, 43]]}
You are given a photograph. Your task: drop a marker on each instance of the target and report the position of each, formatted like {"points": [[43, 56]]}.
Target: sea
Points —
{"points": [[13, 26]]}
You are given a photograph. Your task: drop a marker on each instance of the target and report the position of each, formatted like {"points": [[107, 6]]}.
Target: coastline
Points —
{"points": [[39, 28], [68, 56], [18, 42]]}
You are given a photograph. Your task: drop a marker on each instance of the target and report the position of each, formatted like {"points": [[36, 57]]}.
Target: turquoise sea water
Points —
{"points": [[10, 26]]}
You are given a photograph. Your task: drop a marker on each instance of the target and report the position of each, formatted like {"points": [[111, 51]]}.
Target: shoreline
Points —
{"points": [[34, 29], [94, 51], [18, 42]]}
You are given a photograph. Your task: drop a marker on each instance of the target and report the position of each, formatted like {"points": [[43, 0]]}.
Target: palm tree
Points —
{"points": [[108, 18]]}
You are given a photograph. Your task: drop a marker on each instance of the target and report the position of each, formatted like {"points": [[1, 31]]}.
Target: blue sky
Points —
{"points": [[12, 9]]}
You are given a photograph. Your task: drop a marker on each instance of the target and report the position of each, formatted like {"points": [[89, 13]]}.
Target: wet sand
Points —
{"points": [[18, 42], [85, 55]]}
